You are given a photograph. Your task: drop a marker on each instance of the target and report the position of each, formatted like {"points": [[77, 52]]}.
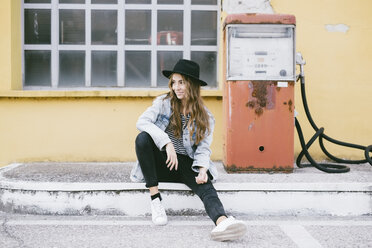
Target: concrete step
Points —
{"points": [[105, 189]]}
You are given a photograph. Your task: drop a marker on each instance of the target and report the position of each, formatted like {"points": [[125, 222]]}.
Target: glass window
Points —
{"points": [[138, 27], [71, 1], [138, 68], [138, 1], [208, 69], [71, 68], [37, 26], [204, 2], [105, 1], [203, 28], [166, 61], [104, 68], [104, 27], [71, 26], [37, 68], [170, 1], [37, 1], [170, 27], [116, 43]]}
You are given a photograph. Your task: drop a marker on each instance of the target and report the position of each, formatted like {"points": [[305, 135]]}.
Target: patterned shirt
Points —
{"points": [[178, 143]]}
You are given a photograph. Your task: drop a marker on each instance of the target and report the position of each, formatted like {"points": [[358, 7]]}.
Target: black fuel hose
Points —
{"points": [[330, 168]]}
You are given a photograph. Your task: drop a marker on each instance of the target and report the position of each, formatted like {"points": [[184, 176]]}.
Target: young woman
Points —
{"points": [[174, 146]]}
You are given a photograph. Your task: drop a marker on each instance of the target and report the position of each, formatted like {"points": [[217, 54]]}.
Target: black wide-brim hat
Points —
{"points": [[188, 68]]}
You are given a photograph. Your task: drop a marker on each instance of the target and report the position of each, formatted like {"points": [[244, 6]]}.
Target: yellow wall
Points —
{"points": [[10, 45], [338, 68], [100, 125], [5, 44], [76, 129]]}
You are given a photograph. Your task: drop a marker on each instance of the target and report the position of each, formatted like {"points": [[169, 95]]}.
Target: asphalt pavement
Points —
{"points": [[187, 231]]}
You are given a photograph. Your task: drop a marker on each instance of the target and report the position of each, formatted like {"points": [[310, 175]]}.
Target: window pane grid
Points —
{"points": [[72, 6], [204, 48], [138, 48], [115, 6], [171, 48], [139, 7], [88, 57], [37, 47], [187, 30], [85, 6], [37, 6], [55, 42], [204, 7], [154, 26], [166, 39], [121, 38]]}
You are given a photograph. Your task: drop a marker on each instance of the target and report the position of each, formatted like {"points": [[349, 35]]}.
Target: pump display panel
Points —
{"points": [[260, 52]]}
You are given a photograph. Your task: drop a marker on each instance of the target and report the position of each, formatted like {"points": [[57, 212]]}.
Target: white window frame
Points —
{"points": [[121, 47]]}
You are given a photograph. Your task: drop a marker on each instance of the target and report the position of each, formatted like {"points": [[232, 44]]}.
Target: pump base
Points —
{"points": [[251, 169]]}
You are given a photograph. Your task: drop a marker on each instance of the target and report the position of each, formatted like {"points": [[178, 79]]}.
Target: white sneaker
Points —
{"points": [[159, 217], [229, 229]]}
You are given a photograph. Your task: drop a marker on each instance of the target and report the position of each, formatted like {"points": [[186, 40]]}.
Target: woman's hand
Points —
{"points": [[172, 161], [202, 177]]}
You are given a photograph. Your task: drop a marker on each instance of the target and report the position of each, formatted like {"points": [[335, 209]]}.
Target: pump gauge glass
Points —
{"points": [[260, 52]]}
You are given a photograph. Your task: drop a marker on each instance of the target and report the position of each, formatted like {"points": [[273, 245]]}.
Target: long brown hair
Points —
{"points": [[199, 119]]}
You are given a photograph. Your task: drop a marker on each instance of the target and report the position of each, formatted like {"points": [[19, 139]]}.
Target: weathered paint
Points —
{"points": [[262, 95], [250, 6], [260, 133], [259, 19]]}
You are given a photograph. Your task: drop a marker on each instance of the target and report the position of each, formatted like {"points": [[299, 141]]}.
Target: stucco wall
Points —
{"points": [[335, 38], [38, 126], [76, 129]]}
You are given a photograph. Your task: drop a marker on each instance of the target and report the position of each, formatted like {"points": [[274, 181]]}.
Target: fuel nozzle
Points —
{"points": [[300, 61]]}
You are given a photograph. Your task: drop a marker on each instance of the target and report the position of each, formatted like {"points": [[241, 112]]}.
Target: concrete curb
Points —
{"points": [[232, 187], [132, 199]]}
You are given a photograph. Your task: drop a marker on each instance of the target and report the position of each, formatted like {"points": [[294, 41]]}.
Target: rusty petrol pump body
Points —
{"points": [[258, 100]]}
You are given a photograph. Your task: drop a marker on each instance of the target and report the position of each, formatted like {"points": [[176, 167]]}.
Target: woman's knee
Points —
{"points": [[143, 140]]}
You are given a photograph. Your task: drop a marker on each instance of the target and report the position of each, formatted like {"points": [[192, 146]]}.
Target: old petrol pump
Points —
{"points": [[258, 100]]}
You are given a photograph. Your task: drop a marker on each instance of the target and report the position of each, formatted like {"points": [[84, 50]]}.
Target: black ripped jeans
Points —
{"points": [[154, 169]]}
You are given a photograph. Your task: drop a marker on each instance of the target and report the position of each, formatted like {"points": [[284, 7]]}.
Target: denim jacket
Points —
{"points": [[155, 120]]}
